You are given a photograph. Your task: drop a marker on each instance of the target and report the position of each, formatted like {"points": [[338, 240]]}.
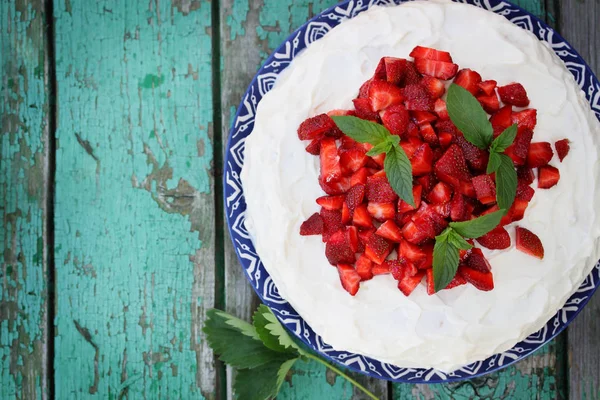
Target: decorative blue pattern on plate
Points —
{"points": [[235, 205]]}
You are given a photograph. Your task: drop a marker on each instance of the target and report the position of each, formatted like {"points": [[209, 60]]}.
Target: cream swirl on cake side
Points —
{"points": [[454, 327]]}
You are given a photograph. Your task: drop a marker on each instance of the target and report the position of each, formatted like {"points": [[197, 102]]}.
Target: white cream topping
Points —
{"points": [[458, 326]]}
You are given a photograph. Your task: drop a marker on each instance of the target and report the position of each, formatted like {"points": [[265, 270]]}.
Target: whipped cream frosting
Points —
{"points": [[458, 326]]}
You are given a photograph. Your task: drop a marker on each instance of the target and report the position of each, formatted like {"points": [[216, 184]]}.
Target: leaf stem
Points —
{"points": [[342, 374]]}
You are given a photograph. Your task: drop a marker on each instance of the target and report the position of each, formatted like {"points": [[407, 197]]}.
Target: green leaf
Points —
{"points": [[506, 138], [399, 173], [263, 382], [494, 162], [382, 147], [445, 262], [272, 333], [360, 130], [506, 182], [458, 241], [223, 329], [469, 117], [479, 226]]}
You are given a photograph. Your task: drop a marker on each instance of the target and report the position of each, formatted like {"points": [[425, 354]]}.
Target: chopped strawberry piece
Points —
{"points": [[476, 158], [420, 256], [364, 268], [349, 277], [458, 280], [381, 269], [524, 191], [434, 87], [312, 226], [440, 109], [340, 113], [446, 126], [336, 187], [422, 160], [330, 165], [443, 209], [404, 207], [364, 110], [526, 175], [395, 69], [525, 119], [427, 182], [430, 54], [317, 127], [517, 211], [363, 92], [338, 249], [423, 117], [548, 176], [332, 222], [497, 239], [384, 94], [352, 237], [467, 189], [378, 248], [379, 190], [506, 219], [427, 219], [411, 76], [428, 134], [540, 154], [488, 87], [437, 69], [562, 148], [529, 243], [477, 261], [490, 104], [400, 268], [352, 160], [360, 177], [485, 189], [481, 280], [452, 167], [441, 193], [410, 283], [364, 235], [395, 119], [355, 196], [331, 202], [314, 147], [520, 148], [414, 234], [469, 80], [346, 214], [361, 217], [390, 231], [430, 282], [445, 139], [382, 211], [514, 94], [458, 207], [417, 98], [347, 143]]}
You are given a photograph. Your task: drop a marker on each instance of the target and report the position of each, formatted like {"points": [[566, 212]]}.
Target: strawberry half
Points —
{"points": [[529, 243], [430, 54], [548, 176], [349, 278], [514, 94], [497, 239], [317, 127], [562, 148], [540, 154], [378, 248], [469, 80], [364, 268], [410, 283], [437, 69], [338, 249], [312, 226], [481, 280], [383, 94]]}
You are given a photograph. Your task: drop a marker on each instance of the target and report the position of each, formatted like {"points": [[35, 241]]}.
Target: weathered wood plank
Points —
{"points": [[579, 25], [24, 149], [134, 203], [250, 30]]}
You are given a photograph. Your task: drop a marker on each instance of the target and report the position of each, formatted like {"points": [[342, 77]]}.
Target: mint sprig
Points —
{"points": [[446, 252], [397, 166], [262, 353], [471, 119]]}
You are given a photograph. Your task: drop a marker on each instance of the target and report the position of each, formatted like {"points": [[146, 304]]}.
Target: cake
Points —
{"points": [[450, 328]]}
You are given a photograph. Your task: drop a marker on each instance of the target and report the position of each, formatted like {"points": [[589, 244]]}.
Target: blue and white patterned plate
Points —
{"points": [[235, 205]]}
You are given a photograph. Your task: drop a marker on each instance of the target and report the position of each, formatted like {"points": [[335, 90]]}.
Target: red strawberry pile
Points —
{"points": [[367, 229]]}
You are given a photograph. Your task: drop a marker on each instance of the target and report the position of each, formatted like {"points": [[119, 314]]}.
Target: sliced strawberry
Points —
{"points": [[390, 231], [422, 160], [497, 239], [317, 127], [520, 148], [430, 282], [529, 243], [477, 261], [562, 148], [404, 207], [437, 69], [417, 98], [490, 104], [379, 190], [430, 54], [332, 222], [481, 280], [395, 119], [458, 207], [352, 237], [525, 119], [346, 214], [364, 110], [476, 158], [439, 107], [349, 277], [410, 283], [526, 175], [355, 196], [330, 161], [441, 193], [434, 87], [378, 248], [314, 147], [360, 177], [414, 234], [452, 167], [488, 87], [420, 256], [485, 189], [361, 217], [384, 94], [336, 187], [331, 202], [352, 160], [514, 94], [548, 176], [364, 268], [540, 154], [469, 80], [524, 191], [338, 250], [382, 211], [517, 210], [312, 226]]}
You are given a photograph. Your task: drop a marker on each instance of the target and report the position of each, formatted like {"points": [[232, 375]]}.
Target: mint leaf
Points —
{"points": [[223, 329], [263, 382], [479, 226], [493, 163], [458, 241], [360, 130], [506, 138], [382, 147], [272, 333], [469, 117], [506, 182], [445, 262], [399, 173]]}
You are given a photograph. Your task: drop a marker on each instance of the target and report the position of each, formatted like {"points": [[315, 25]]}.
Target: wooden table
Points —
{"points": [[114, 116]]}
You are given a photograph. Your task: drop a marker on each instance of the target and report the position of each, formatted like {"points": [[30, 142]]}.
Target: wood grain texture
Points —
{"points": [[24, 148], [579, 25], [134, 199]]}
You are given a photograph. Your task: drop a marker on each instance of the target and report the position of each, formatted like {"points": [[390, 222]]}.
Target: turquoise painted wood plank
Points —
{"points": [[134, 199], [24, 148]]}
